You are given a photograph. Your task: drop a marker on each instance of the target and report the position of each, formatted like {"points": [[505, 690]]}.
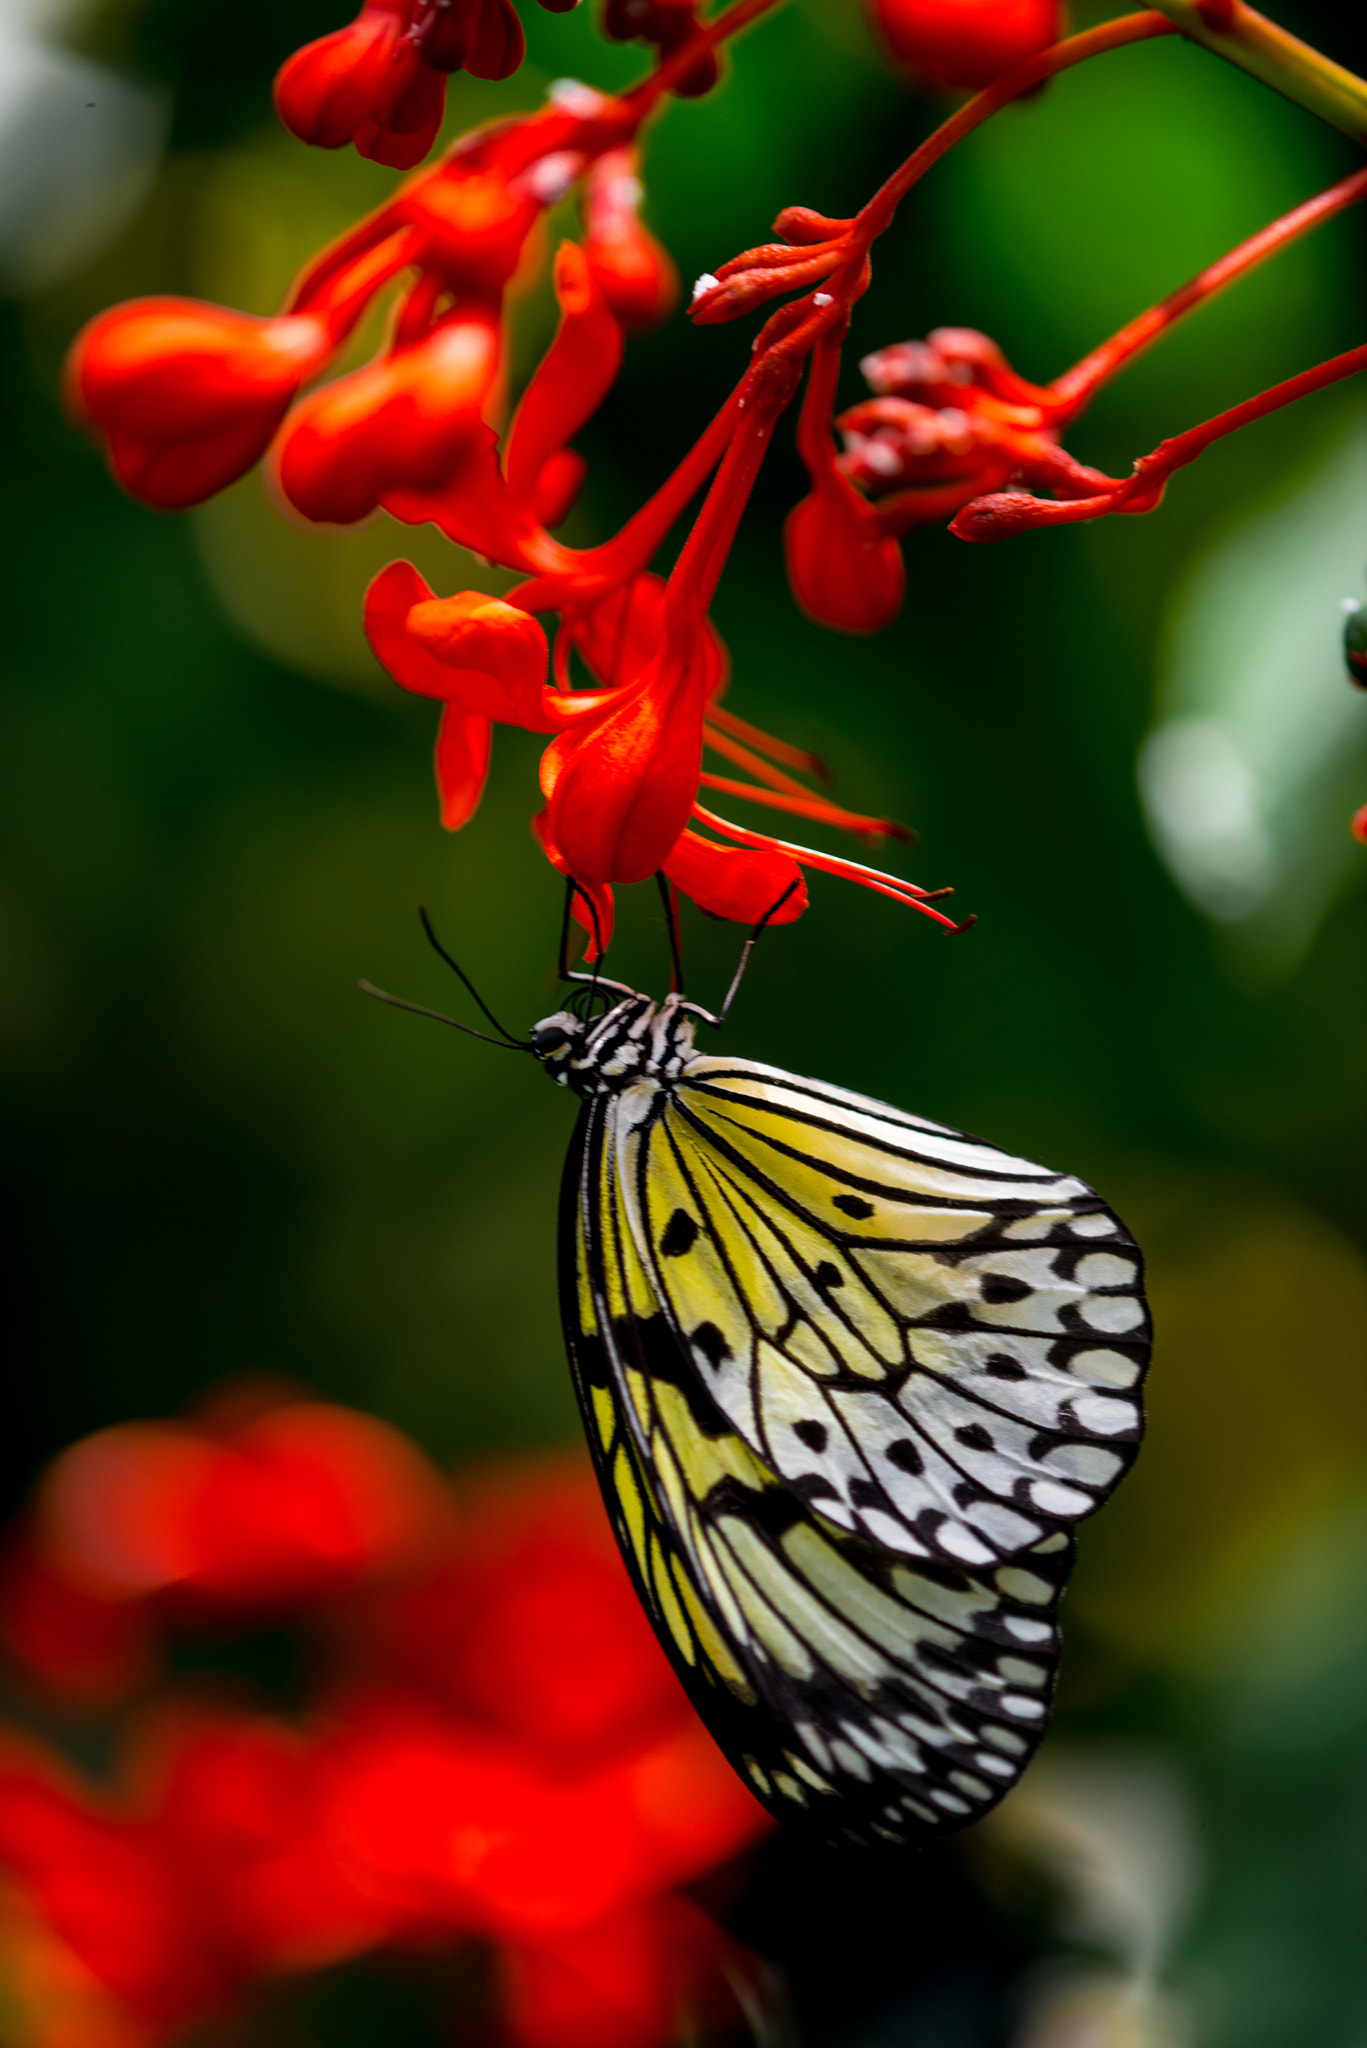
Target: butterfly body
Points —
{"points": [[849, 1379]]}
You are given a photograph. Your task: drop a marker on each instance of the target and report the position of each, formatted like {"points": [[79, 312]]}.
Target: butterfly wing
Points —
{"points": [[936, 1345], [877, 1697]]}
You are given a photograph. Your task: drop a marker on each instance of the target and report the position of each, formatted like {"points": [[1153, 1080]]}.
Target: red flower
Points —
{"points": [[188, 396], [966, 42], [381, 81], [843, 572], [403, 422], [293, 1505], [503, 1751], [624, 1982], [1358, 825]]}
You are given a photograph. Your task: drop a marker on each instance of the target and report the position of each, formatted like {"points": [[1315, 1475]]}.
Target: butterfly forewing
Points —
{"points": [[934, 1344], [881, 1697]]}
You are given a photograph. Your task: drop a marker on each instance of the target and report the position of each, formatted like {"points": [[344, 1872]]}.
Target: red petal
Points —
{"points": [[739, 883], [573, 376], [471, 648], [599, 932], [464, 744], [626, 790]]}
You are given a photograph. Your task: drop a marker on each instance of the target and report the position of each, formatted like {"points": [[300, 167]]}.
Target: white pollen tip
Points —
{"points": [[822, 299], [574, 96], [706, 283]]}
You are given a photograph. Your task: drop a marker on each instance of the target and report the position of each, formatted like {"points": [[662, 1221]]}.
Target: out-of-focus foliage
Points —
{"points": [[217, 815]]}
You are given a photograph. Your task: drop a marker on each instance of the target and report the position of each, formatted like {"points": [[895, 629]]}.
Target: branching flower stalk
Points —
{"points": [[628, 687]]}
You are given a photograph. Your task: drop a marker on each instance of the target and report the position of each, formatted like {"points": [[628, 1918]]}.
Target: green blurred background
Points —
{"points": [[1130, 747]]}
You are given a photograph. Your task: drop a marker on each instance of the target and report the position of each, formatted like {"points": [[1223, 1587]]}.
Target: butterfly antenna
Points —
{"points": [[563, 963], [592, 908], [596, 982], [669, 896], [746, 950], [464, 978], [397, 1002]]}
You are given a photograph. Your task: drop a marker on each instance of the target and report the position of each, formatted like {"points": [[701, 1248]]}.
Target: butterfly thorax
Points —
{"points": [[637, 1040]]}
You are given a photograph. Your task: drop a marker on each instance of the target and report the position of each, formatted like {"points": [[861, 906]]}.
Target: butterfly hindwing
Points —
{"points": [[877, 1696], [936, 1345]]}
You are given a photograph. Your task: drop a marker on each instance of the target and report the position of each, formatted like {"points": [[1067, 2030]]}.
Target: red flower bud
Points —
{"points": [[187, 397], [326, 90], [965, 42], [403, 422], [635, 274], [842, 573], [1358, 825], [668, 24], [483, 37], [380, 82]]}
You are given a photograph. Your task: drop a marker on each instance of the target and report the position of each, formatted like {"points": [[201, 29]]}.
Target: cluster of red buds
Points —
{"points": [[381, 81], [629, 687], [495, 1751]]}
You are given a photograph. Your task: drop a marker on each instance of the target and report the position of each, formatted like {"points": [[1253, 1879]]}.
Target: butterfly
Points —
{"points": [[849, 1379]]}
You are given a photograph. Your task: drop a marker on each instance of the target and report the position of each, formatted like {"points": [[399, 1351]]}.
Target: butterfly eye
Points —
{"points": [[553, 1037]]}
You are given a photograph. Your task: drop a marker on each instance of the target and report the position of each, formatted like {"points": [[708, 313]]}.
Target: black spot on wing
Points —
{"points": [[1002, 1287], [813, 1434], [679, 1235], [1000, 1367], [708, 1339], [853, 1205], [827, 1275], [904, 1455], [974, 1437]]}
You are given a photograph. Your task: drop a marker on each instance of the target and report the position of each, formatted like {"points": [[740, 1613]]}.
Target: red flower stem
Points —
{"points": [[694, 578], [813, 436], [312, 282], [999, 516], [682, 60], [1184, 448], [877, 214], [414, 320], [1077, 385]]}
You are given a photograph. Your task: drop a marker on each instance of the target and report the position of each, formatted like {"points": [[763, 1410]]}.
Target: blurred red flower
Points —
{"points": [[497, 1750], [965, 42]]}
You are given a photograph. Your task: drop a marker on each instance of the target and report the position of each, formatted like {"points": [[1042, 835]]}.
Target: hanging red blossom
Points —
{"points": [[965, 42], [381, 81]]}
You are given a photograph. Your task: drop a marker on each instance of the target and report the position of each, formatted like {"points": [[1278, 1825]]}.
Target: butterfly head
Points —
{"points": [[636, 1040]]}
